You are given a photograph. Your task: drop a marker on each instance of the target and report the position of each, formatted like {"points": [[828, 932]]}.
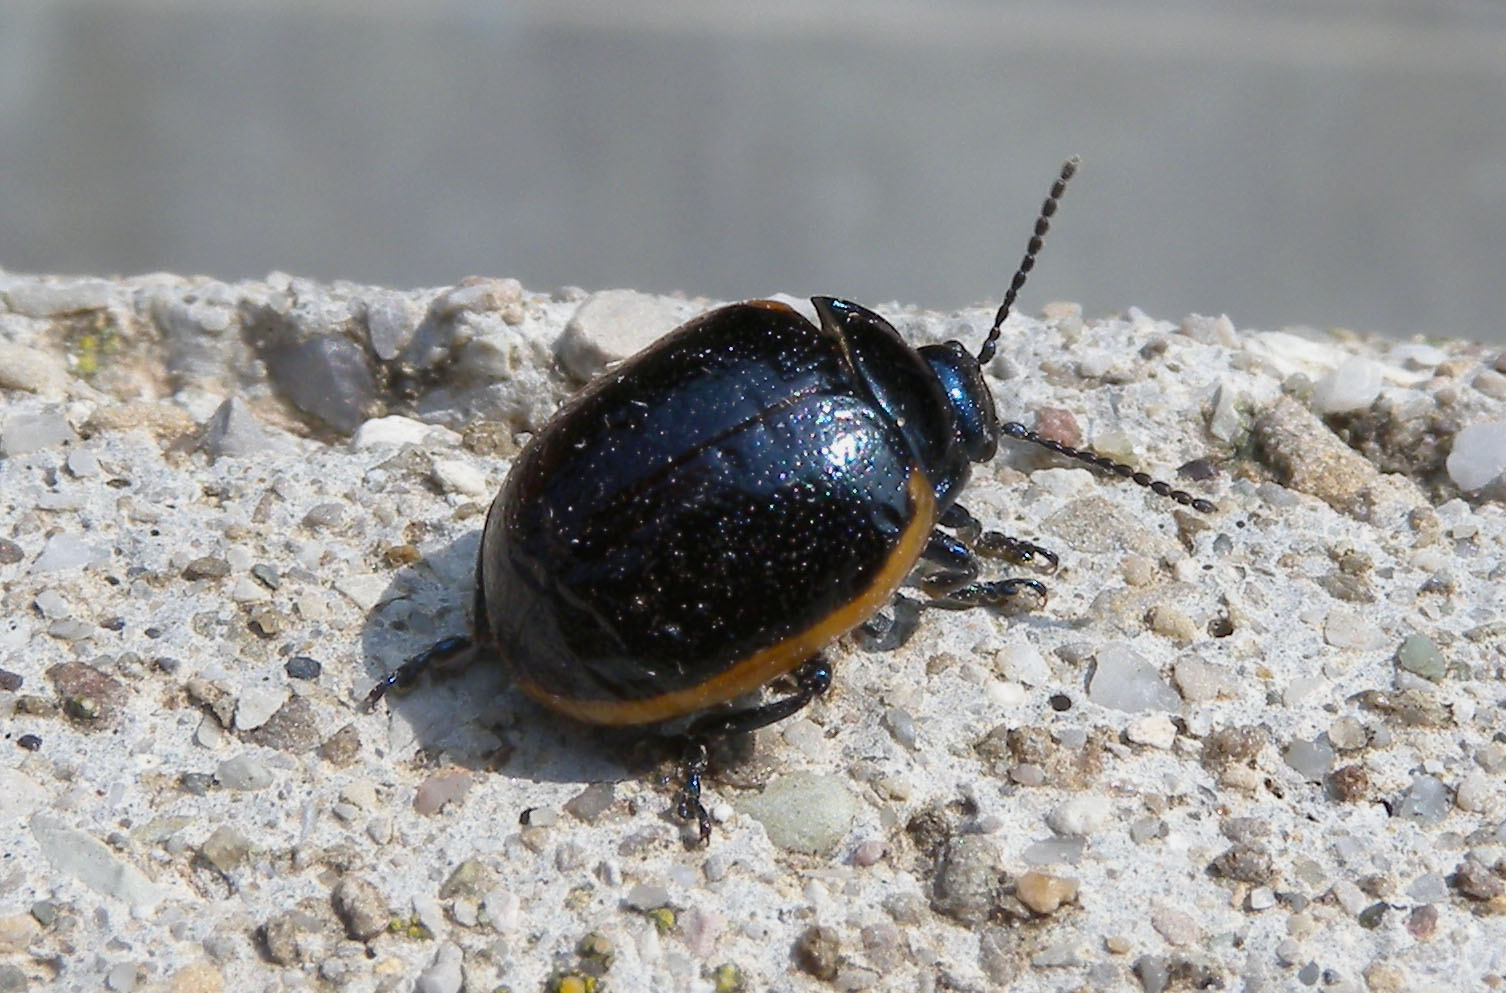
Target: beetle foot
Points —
{"points": [[888, 631], [688, 805], [407, 674], [999, 593], [997, 545]]}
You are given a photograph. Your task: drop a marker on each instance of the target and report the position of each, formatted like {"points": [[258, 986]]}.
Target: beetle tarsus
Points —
{"points": [[998, 593], [407, 674], [812, 678], [689, 804], [996, 544]]}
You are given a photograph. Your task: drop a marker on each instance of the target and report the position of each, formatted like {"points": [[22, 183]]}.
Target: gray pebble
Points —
{"points": [[391, 320], [326, 377], [901, 726], [611, 325], [360, 907], [67, 551], [244, 772], [1426, 800], [591, 802], [1153, 972], [324, 515], [122, 977], [443, 974], [969, 880], [80, 855], [302, 667], [234, 432], [1313, 759], [82, 463], [30, 431], [646, 896], [226, 848], [10, 552]]}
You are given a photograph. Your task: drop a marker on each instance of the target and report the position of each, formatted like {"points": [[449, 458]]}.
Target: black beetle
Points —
{"points": [[728, 502]]}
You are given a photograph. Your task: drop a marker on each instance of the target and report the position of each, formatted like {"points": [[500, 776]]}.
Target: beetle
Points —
{"points": [[719, 509]]}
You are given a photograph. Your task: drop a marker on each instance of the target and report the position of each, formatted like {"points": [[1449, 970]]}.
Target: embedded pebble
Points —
{"points": [[969, 881], [440, 789], [1354, 385], [31, 431], [457, 476], [443, 974], [1021, 662], [1426, 800], [360, 907], [1122, 680], [1044, 893], [1478, 456], [1178, 927], [235, 432], [646, 896], [395, 430], [1312, 758], [257, 703], [1155, 730], [1080, 817], [804, 812], [1420, 656], [83, 857], [68, 551], [611, 325], [243, 772], [325, 376], [1346, 628]]}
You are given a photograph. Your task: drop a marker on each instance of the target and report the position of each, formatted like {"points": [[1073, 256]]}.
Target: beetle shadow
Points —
{"points": [[468, 712]]}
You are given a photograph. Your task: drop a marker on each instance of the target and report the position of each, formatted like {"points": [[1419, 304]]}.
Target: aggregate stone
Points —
{"points": [[68, 551], [804, 812], [81, 856], [29, 431], [611, 325], [235, 432], [360, 907], [1125, 681], [1478, 456], [1354, 385], [970, 879], [326, 377]]}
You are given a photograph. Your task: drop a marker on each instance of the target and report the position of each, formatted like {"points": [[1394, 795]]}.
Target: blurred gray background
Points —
{"points": [[1324, 163]]}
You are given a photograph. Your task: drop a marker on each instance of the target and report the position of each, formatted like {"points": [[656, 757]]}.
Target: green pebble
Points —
{"points": [[1419, 656]]}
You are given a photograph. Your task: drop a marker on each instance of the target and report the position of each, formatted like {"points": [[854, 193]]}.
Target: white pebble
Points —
{"points": [[457, 476], [1080, 817], [1354, 385], [398, 430], [1155, 730], [257, 703], [1478, 456]]}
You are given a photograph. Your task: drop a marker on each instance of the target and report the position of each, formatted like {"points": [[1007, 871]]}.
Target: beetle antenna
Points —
{"points": [[1014, 429], [1042, 225]]}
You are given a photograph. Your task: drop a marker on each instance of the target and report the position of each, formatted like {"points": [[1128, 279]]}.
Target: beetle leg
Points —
{"points": [[812, 678], [688, 805], [888, 631], [994, 544], [998, 593], [406, 674], [957, 564]]}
